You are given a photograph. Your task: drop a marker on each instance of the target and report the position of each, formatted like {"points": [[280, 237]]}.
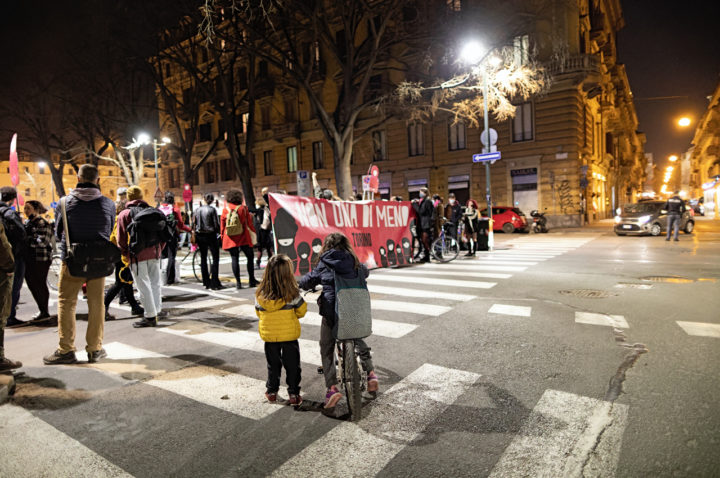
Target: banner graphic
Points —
{"points": [[379, 231]]}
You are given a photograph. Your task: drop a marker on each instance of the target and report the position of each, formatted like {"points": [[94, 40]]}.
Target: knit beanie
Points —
{"points": [[134, 192]]}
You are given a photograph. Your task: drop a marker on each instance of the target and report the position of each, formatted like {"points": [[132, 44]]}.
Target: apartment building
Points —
{"points": [[705, 156], [574, 151]]}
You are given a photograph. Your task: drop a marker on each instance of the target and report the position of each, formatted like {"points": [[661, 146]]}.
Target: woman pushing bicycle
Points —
{"points": [[336, 257]]}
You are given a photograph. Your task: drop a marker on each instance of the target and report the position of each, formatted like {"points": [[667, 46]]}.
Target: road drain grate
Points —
{"points": [[588, 293], [670, 279]]}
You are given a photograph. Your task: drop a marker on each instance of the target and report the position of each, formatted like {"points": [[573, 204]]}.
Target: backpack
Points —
{"points": [[233, 225], [148, 227], [352, 306], [14, 229]]}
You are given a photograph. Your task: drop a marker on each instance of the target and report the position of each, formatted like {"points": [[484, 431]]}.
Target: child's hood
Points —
{"points": [[261, 303], [340, 261]]}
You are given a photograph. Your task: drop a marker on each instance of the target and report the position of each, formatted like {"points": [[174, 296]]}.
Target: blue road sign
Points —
{"points": [[54, 204], [481, 158]]}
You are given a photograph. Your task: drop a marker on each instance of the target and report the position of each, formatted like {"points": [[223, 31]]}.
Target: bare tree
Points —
{"points": [[348, 43]]}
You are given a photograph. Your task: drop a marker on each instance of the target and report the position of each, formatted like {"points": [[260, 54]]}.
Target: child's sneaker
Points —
{"points": [[332, 396], [295, 399], [272, 397], [373, 382]]}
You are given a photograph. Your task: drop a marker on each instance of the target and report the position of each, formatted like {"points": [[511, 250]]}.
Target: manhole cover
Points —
{"points": [[588, 293], [671, 279]]}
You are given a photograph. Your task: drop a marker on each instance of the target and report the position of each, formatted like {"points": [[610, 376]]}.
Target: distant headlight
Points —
{"points": [[644, 219], [618, 219]]}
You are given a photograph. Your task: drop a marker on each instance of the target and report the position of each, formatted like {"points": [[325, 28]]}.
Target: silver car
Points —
{"points": [[649, 217]]}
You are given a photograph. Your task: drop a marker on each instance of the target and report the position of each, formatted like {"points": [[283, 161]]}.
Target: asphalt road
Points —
{"points": [[574, 353]]}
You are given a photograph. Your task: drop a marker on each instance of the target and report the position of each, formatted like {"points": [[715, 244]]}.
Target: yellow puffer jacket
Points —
{"points": [[278, 319]]}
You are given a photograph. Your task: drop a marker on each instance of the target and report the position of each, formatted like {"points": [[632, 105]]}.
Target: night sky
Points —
{"points": [[669, 49]]}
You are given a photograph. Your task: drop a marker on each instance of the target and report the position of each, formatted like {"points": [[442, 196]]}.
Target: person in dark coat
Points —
{"points": [[453, 213], [425, 211], [336, 256]]}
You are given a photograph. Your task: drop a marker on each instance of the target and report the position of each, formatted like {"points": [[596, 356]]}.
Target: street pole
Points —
{"points": [[491, 239], [157, 176]]}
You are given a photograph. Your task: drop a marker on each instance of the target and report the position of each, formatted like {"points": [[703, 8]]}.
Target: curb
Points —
{"points": [[7, 387]]}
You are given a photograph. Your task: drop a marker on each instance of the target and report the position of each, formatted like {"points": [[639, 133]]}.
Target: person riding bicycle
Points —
{"points": [[336, 255]]}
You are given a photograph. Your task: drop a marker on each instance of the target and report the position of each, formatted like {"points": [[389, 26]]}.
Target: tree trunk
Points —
{"points": [[342, 152], [56, 174]]}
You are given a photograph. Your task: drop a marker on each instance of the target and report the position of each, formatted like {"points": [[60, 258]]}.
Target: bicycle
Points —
{"points": [[197, 260], [445, 248], [53, 276]]}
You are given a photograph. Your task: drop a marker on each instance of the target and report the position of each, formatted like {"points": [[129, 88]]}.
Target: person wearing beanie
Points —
{"points": [[145, 265]]}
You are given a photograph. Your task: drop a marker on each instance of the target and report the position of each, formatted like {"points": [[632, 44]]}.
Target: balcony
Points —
{"points": [[588, 64]]}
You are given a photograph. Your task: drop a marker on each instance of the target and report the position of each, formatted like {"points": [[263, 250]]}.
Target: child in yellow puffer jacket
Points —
{"points": [[279, 305]]}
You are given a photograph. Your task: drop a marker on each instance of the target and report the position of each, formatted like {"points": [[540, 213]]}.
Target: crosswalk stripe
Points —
{"points": [[205, 292], [397, 418], [52, 452], [409, 307], [448, 270], [403, 292], [601, 319], [517, 255], [431, 281], [517, 310], [700, 329], [566, 435], [383, 328], [507, 261], [236, 339], [201, 304]]}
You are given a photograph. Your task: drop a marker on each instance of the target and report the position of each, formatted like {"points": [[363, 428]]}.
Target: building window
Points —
{"points": [[318, 158], [292, 159], [265, 117], [521, 50], [454, 5], [263, 69], [210, 172], [523, 123], [267, 163], [379, 146], [226, 170], [456, 136], [416, 143], [290, 110], [205, 132], [27, 192], [242, 78]]}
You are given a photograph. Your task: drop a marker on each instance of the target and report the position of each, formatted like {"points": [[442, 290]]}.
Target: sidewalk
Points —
{"points": [[7, 387]]}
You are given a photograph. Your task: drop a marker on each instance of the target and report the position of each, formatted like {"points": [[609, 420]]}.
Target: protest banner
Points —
{"points": [[379, 231]]}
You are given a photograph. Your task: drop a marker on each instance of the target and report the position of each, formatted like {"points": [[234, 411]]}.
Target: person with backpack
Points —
{"points": [[141, 234], [84, 218], [336, 257], [176, 224], [238, 234], [123, 277], [39, 256], [279, 307], [15, 232], [7, 270], [207, 229]]}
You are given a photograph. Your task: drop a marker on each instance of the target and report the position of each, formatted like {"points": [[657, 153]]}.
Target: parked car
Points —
{"points": [[507, 219], [649, 217], [698, 206]]}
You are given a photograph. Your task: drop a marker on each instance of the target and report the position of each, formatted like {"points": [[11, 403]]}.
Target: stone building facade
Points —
{"points": [[705, 156], [573, 151]]}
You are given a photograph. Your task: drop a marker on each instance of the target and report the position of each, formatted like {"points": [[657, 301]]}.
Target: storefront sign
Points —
{"points": [[378, 231]]}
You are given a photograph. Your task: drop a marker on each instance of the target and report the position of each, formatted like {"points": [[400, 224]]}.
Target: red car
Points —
{"points": [[507, 219]]}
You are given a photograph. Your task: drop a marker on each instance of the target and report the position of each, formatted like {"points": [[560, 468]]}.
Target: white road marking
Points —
{"points": [[506, 261], [566, 435], [482, 267], [634, 286], [516, 310], [397, 418], [409, 307], [201, 304], [447, 270], [436, 282], [700, 329], [205, 292], [601, 319], [52, 452], [380, 289], [383, 328], [240, 339]]}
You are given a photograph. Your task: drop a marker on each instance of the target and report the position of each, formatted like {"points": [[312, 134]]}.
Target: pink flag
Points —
{"points": [[14, 169]]}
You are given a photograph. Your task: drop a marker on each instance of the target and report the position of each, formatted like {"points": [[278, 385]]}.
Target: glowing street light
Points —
{"points": [[684, 121], [472, 52], [673, 158], [144, 138]]}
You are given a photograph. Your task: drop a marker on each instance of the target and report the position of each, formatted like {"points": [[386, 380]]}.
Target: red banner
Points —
{"points": [[379, 231]]}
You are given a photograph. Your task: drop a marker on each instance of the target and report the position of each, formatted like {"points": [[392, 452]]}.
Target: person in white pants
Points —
{"points": [[145, 266]]}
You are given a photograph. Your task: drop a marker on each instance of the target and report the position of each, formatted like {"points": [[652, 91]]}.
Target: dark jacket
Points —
{"points": [[453, 213], [341, 262], [123, 238], [206, 219], [91, 216], [675, 205], [11, 218], [39, 239], [425, 211], [7, 261]]}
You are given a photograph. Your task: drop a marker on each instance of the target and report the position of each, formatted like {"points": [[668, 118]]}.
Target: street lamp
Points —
{"points": [[673, 158], [144, 138], [684, 121], [473, 53]]}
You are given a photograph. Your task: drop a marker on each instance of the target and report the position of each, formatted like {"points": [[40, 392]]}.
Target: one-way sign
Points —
{"points": [[481, 158]]}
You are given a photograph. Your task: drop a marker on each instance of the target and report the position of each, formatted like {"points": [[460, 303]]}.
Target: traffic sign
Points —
{"points": [[187, 193], [158, 195], [481, 158]]}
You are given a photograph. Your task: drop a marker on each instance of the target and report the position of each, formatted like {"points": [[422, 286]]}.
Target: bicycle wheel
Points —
{"points": [[445, 249], [352, 380], [54, 272]]}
